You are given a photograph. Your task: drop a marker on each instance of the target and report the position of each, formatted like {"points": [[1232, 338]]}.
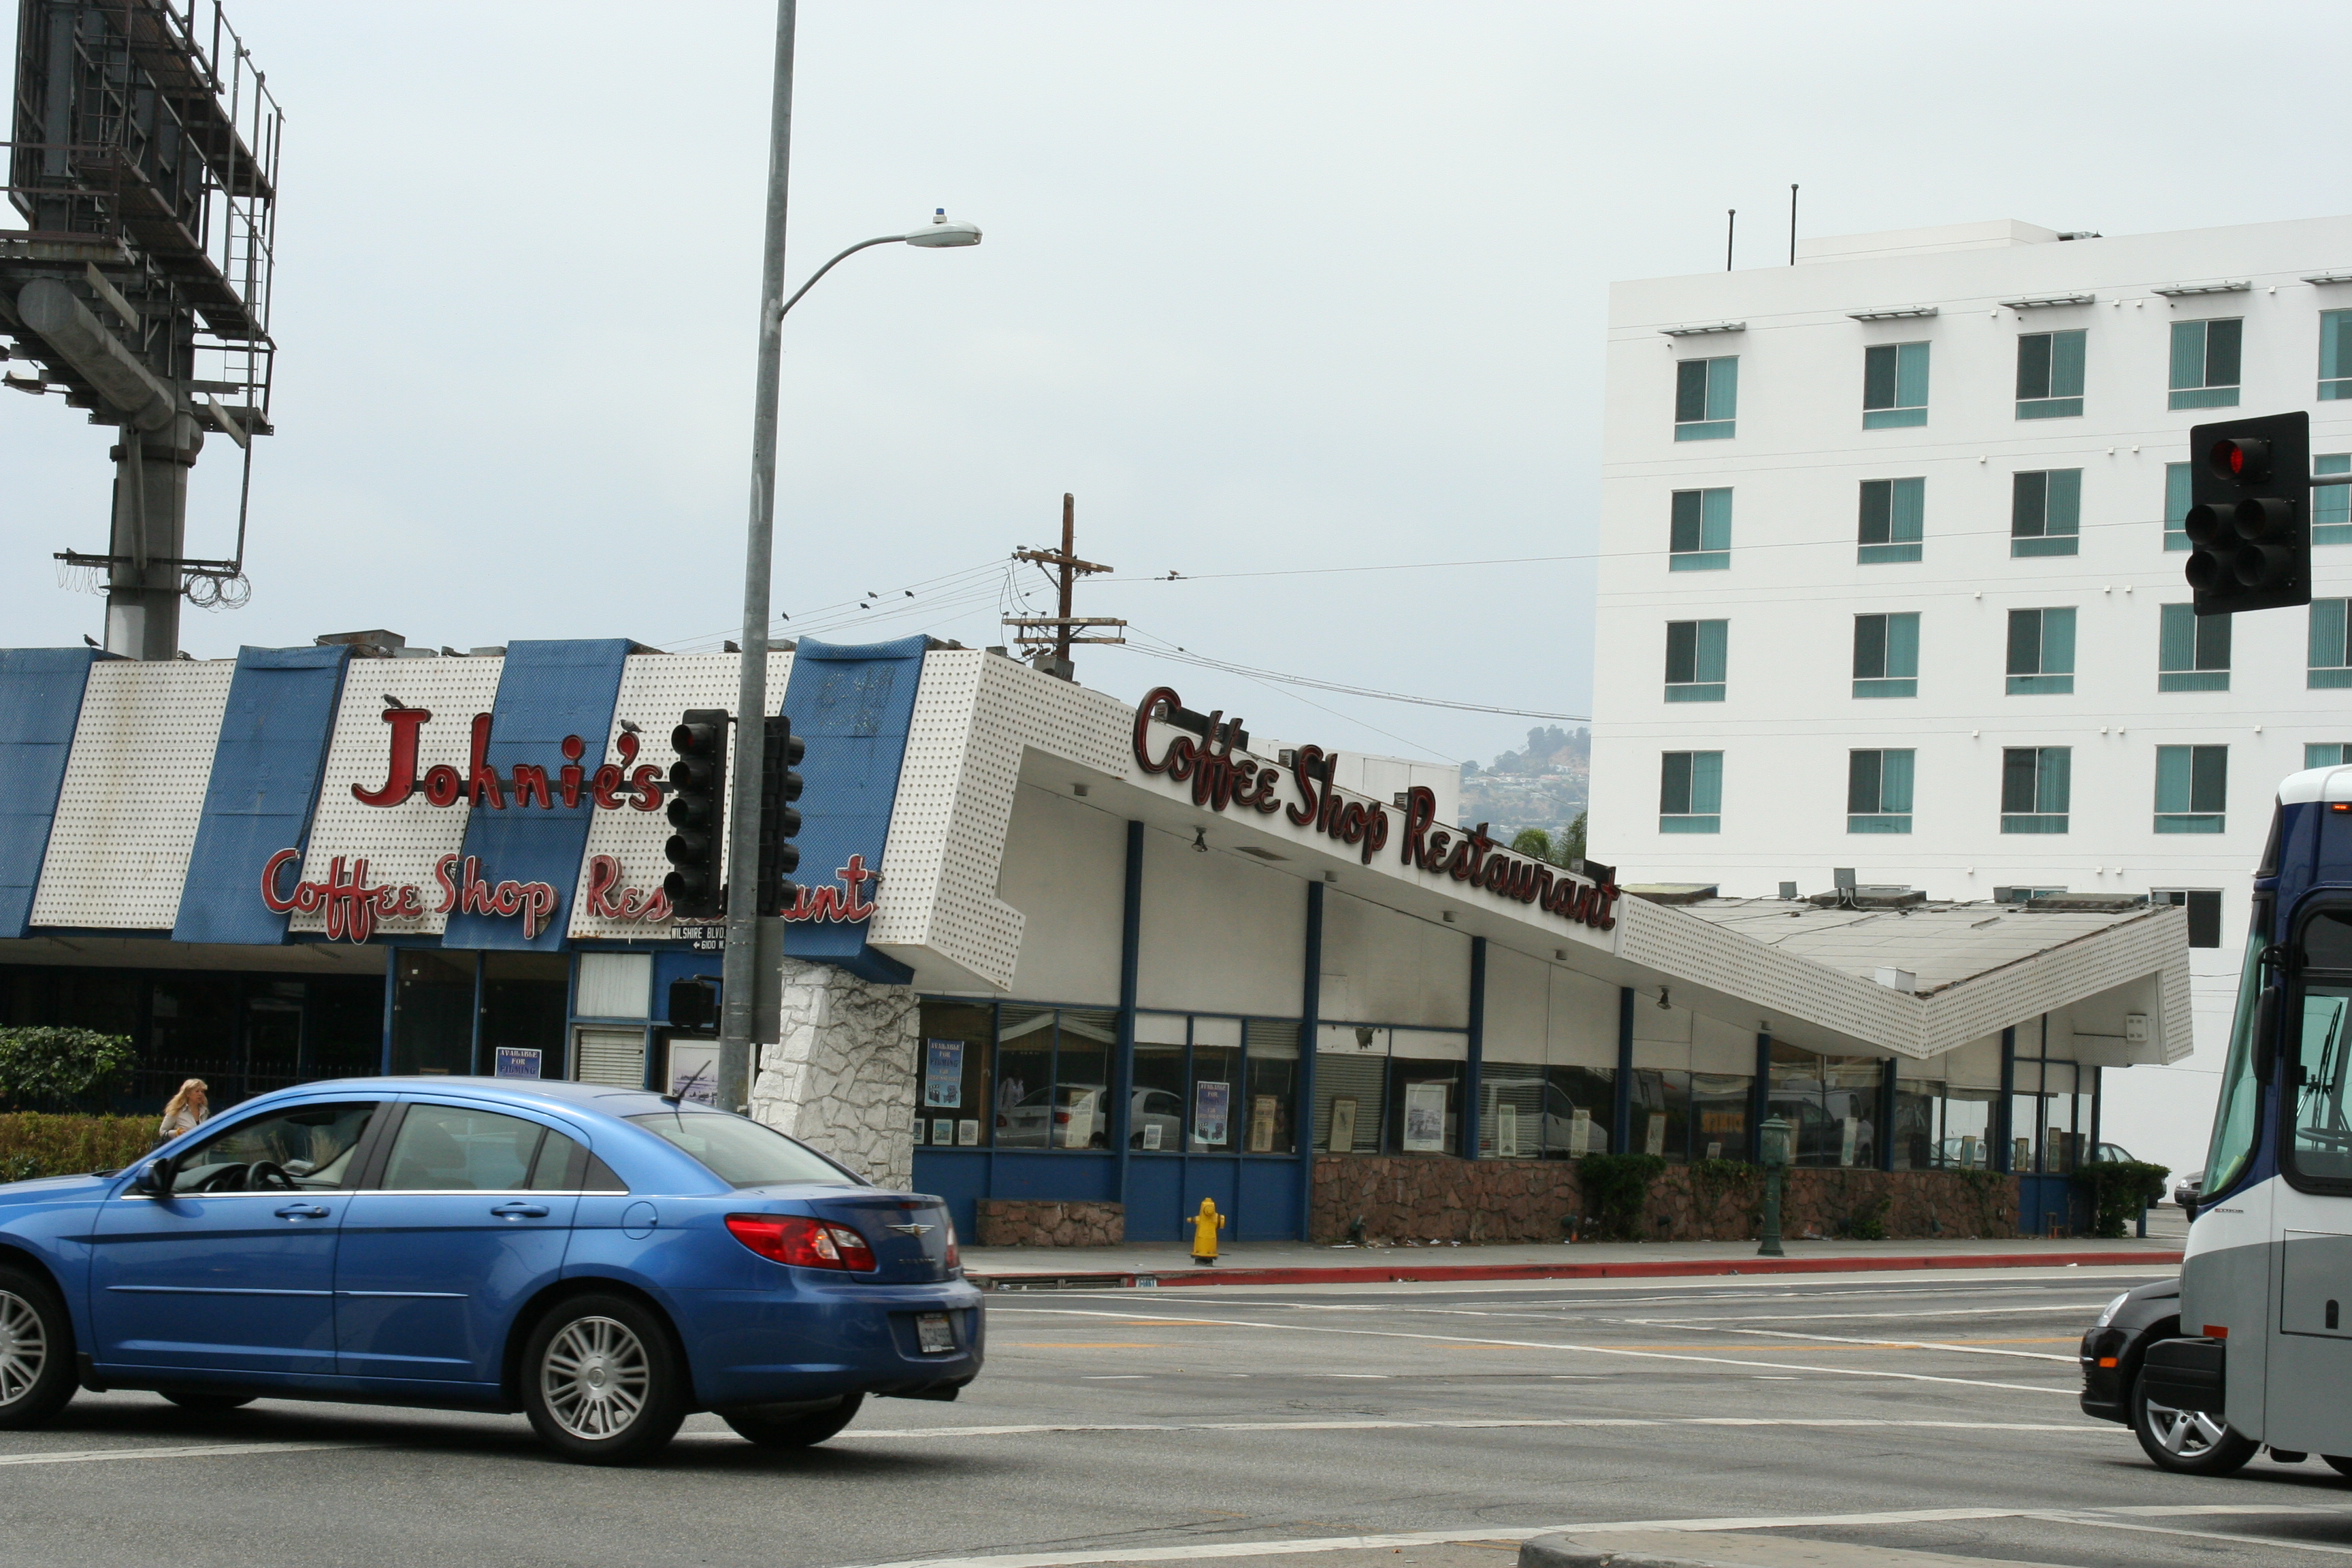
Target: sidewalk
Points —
{"points": [[1300, 1263]]}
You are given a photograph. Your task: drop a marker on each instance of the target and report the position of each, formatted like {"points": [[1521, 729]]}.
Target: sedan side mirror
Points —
{"points": [[155, 1180]]}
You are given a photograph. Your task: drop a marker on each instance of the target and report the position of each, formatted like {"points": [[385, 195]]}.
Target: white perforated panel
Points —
{"points": [[655, 690], [401, 842], [133, 793]]}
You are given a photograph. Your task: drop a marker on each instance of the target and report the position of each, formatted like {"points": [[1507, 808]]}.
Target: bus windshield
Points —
{"points": [[2240, 1105]]}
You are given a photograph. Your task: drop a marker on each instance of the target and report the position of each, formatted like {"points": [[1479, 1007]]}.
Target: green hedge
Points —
{"points": [[2118, 1190], [1616, 1189], [33, 1144], [62, 1070]]}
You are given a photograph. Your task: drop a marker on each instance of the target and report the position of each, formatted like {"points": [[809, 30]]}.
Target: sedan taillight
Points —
{"points": [[805, 1243], [953, 1260]]}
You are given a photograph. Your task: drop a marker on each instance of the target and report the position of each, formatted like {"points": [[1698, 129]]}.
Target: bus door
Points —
{"points": [[2310, 1365]]}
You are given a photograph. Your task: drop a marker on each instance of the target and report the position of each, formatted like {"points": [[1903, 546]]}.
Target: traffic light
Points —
{"points": [[2250, 518], [779, 787], [697, 811]]}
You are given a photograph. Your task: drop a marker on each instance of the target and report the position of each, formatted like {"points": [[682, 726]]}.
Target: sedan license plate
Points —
{"points": [[933, 1333]]}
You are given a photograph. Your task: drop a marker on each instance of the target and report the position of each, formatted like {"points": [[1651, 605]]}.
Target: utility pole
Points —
{"points": [[1050, 636], [740, 998]]}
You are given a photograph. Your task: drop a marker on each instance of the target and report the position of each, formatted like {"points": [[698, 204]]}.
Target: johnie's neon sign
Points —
{"points": [[608, 787], [1223, 779]]}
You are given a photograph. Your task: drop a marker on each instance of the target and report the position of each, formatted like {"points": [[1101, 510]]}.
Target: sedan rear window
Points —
{"points": [[741, 1153]]}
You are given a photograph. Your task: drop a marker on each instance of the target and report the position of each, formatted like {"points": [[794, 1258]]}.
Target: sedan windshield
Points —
{"points": [[741, 1153]]}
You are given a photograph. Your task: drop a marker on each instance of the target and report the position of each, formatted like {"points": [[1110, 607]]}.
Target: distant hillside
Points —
{"points": [[1542, 785]]}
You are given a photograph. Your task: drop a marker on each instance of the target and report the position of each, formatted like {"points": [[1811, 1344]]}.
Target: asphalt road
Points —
{"points": [[1333, 1428]]}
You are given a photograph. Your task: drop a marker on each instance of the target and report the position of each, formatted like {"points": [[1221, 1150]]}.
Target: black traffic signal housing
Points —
{"points": [[2250, 515], [779, 822], [698, 815], [693, 1004]]}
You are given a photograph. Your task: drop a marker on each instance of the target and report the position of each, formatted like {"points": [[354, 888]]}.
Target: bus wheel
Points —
{"points": [[2188, 1442]]}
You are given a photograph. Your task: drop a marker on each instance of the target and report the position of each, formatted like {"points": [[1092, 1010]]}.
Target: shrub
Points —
{"points": [[2118, 1190], [62, 1070], [32, 1144], [1616, 1189]]}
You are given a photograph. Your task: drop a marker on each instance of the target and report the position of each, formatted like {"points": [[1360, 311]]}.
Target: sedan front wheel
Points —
{"points": [[601, 1382], [2187, 1442]]}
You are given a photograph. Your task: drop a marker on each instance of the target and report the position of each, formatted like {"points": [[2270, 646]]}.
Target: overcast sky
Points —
{"points": [[1272, 288]]}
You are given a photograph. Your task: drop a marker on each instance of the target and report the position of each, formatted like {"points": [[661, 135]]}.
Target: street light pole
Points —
{"points": [[740, 970]]}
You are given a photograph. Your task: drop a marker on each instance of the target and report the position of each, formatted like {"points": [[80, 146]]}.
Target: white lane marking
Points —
{"points": [[1216, 1549], [1544, 1345], [1474, 1423], [1887, 1344], [1834, 1317], [217, 1450]]}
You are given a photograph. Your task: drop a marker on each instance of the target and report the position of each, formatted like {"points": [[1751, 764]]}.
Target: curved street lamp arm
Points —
{"points": [[861, 245]]}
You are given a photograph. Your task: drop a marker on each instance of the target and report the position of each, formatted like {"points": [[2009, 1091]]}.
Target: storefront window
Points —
{"points": [[1511, 1111], [1662, 1112], [1350, 1098], [1156, 1117], [433, 1011], [1965, 1142], [1270, 1112], [524, 997], [1720, 1115], [1216, 1071], [952, 1111], [1831, 1103], [1424, 1106], [1082, 1077], [1914, 1133], [1024, 1077], [1579, 1107]]}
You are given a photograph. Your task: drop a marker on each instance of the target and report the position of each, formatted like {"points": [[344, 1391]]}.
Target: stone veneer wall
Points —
{"points": [[841, 1075], [1402, 1197], [1041, 1222]]}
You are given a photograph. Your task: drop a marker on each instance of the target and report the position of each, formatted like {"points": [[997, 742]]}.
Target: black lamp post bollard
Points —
{"points": [[1775, 1154]]}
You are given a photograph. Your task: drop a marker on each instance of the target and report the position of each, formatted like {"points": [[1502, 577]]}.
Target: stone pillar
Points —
{"points": [[842, 1076]]}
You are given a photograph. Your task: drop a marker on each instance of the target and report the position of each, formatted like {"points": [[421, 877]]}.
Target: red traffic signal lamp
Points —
{"points": [[2250, 515], [698, 813]]}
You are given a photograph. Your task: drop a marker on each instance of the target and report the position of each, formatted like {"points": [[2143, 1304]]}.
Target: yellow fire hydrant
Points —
{"points": [[1205, 1225]]}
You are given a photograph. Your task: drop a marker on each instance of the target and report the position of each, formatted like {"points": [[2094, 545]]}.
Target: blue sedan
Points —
{"points": [[606, 1261]]}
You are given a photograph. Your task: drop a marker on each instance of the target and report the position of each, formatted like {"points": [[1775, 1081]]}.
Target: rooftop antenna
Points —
{"points": [[1793, 226], [1730, 228], [145, 169], [1048, 639]]}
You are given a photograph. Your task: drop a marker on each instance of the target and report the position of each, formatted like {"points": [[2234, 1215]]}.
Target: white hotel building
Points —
{"points": [[1890, 578]]}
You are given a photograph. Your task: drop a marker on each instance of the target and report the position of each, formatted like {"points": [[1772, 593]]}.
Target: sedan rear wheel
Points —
{"points": [[35, 1351], [601, 1382], [2188, 1442], [791, 1426]]}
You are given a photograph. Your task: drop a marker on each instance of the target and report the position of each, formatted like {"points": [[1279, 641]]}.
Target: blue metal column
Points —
{"points": [[474, 1048], [1310, 1008], [1122, 1069], [390, 989], [1759, 1099], [1620, 1111], [2001, 1116], [1478, 1047], [1886, 1119]]}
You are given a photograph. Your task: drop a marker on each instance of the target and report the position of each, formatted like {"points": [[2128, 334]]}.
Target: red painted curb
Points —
{"points": [[1679, 1269]]}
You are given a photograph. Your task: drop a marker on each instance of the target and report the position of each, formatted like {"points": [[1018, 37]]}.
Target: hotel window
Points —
{"points": [[1878, 791], [1701, 536], [2192, 788], [1695, 660], [2204, 907], [2177, 499], [2193, 651], [2328, 665], [2205, 363], [2045, 511], [2035, 787], [2040, 652], [2326, 754], [2049, 374], [1886, 654], [2335, 355], [2331, 505], [1706, 399], [1892, 513], [1690, 791], [1894, 385]]}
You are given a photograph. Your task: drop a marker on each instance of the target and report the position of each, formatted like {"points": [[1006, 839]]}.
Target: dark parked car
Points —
{"points": [[604, 1262], [2186, 1190]]}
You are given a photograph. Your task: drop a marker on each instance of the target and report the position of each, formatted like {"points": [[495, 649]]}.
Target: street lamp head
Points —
{"points": [[940, 233]]}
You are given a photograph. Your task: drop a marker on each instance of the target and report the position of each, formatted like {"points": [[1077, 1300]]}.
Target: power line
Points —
{"points": [[1184, 656]]}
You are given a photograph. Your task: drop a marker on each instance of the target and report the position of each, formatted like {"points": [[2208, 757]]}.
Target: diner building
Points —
{"points": [[1050, 945]]}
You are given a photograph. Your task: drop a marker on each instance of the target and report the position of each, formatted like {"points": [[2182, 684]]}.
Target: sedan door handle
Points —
{"points": [[520, 1211], [303, 1211]]}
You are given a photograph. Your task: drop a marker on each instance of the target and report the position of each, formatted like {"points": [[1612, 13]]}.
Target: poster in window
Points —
{"points": [[1262, 1112], [1654, 1142], [920, 1125], [694, 1070], [967, 1133], [943, 1074], [943, 1131], [1211, 1104], [1848, 1129], [1153, 1131], [1580, 1131], [1424, 1117], [1343, 1126], [514, 1061], [1507, 1130]]}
